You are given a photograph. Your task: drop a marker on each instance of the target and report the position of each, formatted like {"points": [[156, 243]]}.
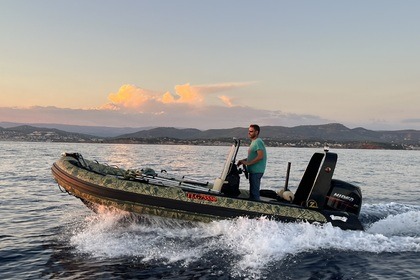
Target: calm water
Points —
{"points": [[46, 234]]}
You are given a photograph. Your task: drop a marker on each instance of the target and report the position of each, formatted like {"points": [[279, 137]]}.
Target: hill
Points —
{"points": [[98, 131], [328, 132], [41, 134], [299, 136]]}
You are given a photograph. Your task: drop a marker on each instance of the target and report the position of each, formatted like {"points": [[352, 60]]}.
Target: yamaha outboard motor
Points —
{"points": [[344, 196], [317, 189]]}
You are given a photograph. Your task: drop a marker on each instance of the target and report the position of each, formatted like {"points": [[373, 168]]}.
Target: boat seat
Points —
{"points": [[308, 180]]}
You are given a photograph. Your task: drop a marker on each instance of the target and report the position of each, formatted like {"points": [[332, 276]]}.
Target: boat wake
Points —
{"points": [[393, 219], [246, 246]]}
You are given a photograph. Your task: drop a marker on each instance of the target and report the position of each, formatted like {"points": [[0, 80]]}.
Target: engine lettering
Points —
{"points": [[201, 196], [346, 197]]}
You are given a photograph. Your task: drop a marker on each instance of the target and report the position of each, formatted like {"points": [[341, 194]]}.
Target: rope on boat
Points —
{"points": [[63, 190], [147, 175]]}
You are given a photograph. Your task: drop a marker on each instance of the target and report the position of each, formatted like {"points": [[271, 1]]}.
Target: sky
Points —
{"points": [[211, 64]]}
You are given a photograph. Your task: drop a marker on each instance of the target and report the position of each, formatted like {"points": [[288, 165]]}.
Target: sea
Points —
{"points": [[48, 234]]}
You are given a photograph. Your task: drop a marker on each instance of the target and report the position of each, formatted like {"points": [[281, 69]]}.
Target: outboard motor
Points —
{"points": [[344, 196], [318, 189]]}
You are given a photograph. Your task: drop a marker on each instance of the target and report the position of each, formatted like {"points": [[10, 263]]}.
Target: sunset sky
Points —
{"points": [[211, 64]]}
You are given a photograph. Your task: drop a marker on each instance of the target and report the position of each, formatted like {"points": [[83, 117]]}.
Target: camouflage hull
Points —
{"points": [[109, 186]]}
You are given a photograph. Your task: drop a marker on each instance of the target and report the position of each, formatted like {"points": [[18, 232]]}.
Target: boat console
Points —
{"points": [[317, 188]]}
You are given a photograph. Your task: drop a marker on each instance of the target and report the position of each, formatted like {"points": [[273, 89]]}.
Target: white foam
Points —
{"points": [[107, 236], [255, 244], [400, 224], [385, 209]]}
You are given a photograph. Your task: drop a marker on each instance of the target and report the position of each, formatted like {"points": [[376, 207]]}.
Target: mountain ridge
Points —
{"points": [[327, 132], [99, 131], [273, 135]]}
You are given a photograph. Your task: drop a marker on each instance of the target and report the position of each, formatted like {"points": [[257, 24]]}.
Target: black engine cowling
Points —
{"points": [[344, 196]]}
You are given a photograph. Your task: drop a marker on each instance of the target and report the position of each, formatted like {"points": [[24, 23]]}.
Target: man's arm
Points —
{"points": [[260, 156]]}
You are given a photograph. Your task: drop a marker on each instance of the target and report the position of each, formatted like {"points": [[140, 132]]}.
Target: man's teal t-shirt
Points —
{"points": [[258, 167]]}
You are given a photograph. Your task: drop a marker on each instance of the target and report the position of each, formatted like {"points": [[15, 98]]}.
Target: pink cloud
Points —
{"points": [[130, 97], [226, 100]]}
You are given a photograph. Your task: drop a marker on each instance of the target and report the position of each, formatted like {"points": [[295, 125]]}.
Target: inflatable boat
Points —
{"points": [[318, 198]]}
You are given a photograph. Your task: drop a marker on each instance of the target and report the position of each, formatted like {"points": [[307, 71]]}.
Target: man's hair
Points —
{"points": [[256, 127]]}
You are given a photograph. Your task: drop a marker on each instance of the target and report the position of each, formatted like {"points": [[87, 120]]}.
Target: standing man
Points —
{"points": [[256, 161]]}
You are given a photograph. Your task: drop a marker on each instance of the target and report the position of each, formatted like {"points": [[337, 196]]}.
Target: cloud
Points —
{"points": [[133, 98], [188, 94], [188, 106], [205, 89], [130, 97], [226, 100], [414, 121], [177, 115]]}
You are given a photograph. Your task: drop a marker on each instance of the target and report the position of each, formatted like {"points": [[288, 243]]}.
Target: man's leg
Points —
{"points": [[254, 185]]}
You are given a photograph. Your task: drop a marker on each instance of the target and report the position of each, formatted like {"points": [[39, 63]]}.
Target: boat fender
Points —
{"points": [[286, 195], [218, 183]]}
